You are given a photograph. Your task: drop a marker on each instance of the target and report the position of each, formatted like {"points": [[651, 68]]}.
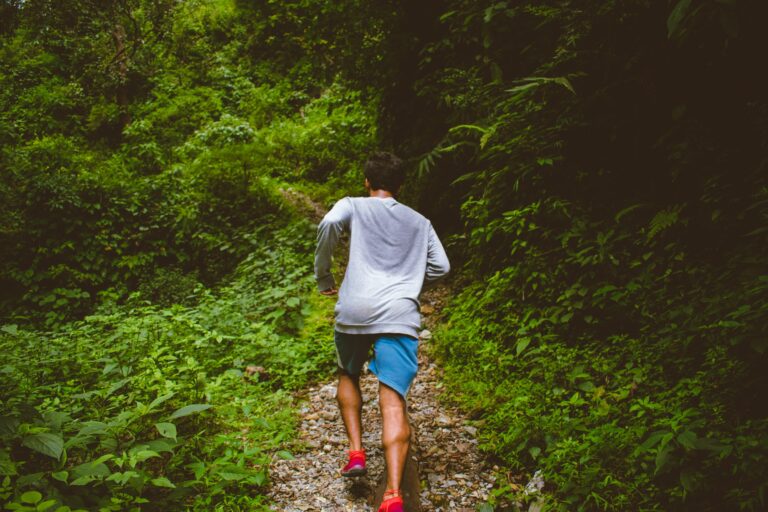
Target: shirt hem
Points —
{"points": [[392, 328]]}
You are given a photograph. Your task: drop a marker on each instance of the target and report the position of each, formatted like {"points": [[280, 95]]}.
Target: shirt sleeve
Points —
{"points": [[330, 228], [437, 261]]}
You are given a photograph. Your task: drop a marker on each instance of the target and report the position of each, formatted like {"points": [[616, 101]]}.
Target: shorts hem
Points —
{"points": [[392, 385]]}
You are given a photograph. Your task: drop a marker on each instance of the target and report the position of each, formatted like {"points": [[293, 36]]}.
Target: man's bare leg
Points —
{"points": [[351, 404], [396, 434]]}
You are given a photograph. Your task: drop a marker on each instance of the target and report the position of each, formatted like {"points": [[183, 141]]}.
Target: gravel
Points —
{"points": [[454, 475]]}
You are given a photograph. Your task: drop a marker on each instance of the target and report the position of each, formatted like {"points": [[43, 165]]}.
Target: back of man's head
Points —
{"points": [[384, 171]]}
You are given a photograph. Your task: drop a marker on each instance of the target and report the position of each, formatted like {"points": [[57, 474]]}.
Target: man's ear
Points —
{"points": [[367, 184]]}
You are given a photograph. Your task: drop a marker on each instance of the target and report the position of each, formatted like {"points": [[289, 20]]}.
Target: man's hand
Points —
{"points": [[330, 291]]}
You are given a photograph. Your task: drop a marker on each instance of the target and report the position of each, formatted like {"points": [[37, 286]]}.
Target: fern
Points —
{"points": [[663, 220]]}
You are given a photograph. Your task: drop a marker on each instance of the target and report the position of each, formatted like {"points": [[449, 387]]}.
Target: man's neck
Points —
{"points": [[381, 193]]}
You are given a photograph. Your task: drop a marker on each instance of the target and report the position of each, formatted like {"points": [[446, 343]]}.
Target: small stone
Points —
{"points": [[329, 390], [434, 478], [426, 309], [426, 334]]}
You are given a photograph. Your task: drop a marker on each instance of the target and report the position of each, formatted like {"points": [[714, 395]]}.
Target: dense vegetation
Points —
{"points": [[597, 169], [606, 166], [156, 255]]}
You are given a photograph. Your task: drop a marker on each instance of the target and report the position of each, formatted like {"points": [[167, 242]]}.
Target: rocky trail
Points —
{"points": [[454, 475]]}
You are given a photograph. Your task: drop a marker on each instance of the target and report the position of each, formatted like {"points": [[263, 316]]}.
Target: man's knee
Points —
{"points": [[396, 433]]}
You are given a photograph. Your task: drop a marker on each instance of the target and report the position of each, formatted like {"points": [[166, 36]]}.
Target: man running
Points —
{"points": [[393, 253]]}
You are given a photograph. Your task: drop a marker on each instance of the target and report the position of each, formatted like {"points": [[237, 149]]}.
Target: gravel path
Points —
{"points": [[454, 475]]}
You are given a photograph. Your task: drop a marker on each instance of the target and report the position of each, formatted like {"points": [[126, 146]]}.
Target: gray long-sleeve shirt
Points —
{"points": [[393, 253]]}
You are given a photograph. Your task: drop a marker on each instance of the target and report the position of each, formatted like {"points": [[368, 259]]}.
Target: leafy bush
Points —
{"points": [[150, 405], [303, 148], [607, 216], [573, 364], [153, 277]]}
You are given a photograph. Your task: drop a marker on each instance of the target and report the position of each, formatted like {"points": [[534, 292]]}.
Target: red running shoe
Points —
{"points": [[393, 502], [356, 464]]}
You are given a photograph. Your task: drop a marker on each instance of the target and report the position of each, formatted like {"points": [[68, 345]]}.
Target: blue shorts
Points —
{"points": [[394, 359]]}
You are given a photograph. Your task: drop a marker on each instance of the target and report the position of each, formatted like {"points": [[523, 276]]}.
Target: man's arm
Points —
{"points": [[437, 261], [328, 231]]}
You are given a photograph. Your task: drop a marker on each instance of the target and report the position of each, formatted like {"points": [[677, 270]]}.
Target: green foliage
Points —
{"points": [[576, 369], [300, 149], [608, 217], [149, 261], [600, 164], [159, 154], [154, 405]]}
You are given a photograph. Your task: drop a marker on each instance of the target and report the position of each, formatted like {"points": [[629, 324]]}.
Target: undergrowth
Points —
{"points": [[571, 366], [165, 407]]}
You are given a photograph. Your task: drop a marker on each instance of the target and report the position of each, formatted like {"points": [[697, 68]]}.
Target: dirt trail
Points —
{"points": [[454, 474]]}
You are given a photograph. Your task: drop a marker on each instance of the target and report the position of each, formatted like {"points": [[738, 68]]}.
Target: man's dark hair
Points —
{"points": [[384, 171]]}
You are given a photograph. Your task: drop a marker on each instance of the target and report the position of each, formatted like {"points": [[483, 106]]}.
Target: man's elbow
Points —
{"points": [[437, 271], [445, 265]]}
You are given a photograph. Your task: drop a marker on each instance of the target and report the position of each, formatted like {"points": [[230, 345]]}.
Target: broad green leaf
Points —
{"points": [[117, 385], [31, 497], [55, 419], [93, 468], [190, 409], [159, 400], [258, 478], [104, 458], [30, 479], [45, 505], [45, 443], [83, 480], [286, 455], [143, 455], [233, 473], [198, 468], [61, 476], [522, 344], [163, 482], [166, 430], [10, 329], [162, 445], [653, 440]]}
